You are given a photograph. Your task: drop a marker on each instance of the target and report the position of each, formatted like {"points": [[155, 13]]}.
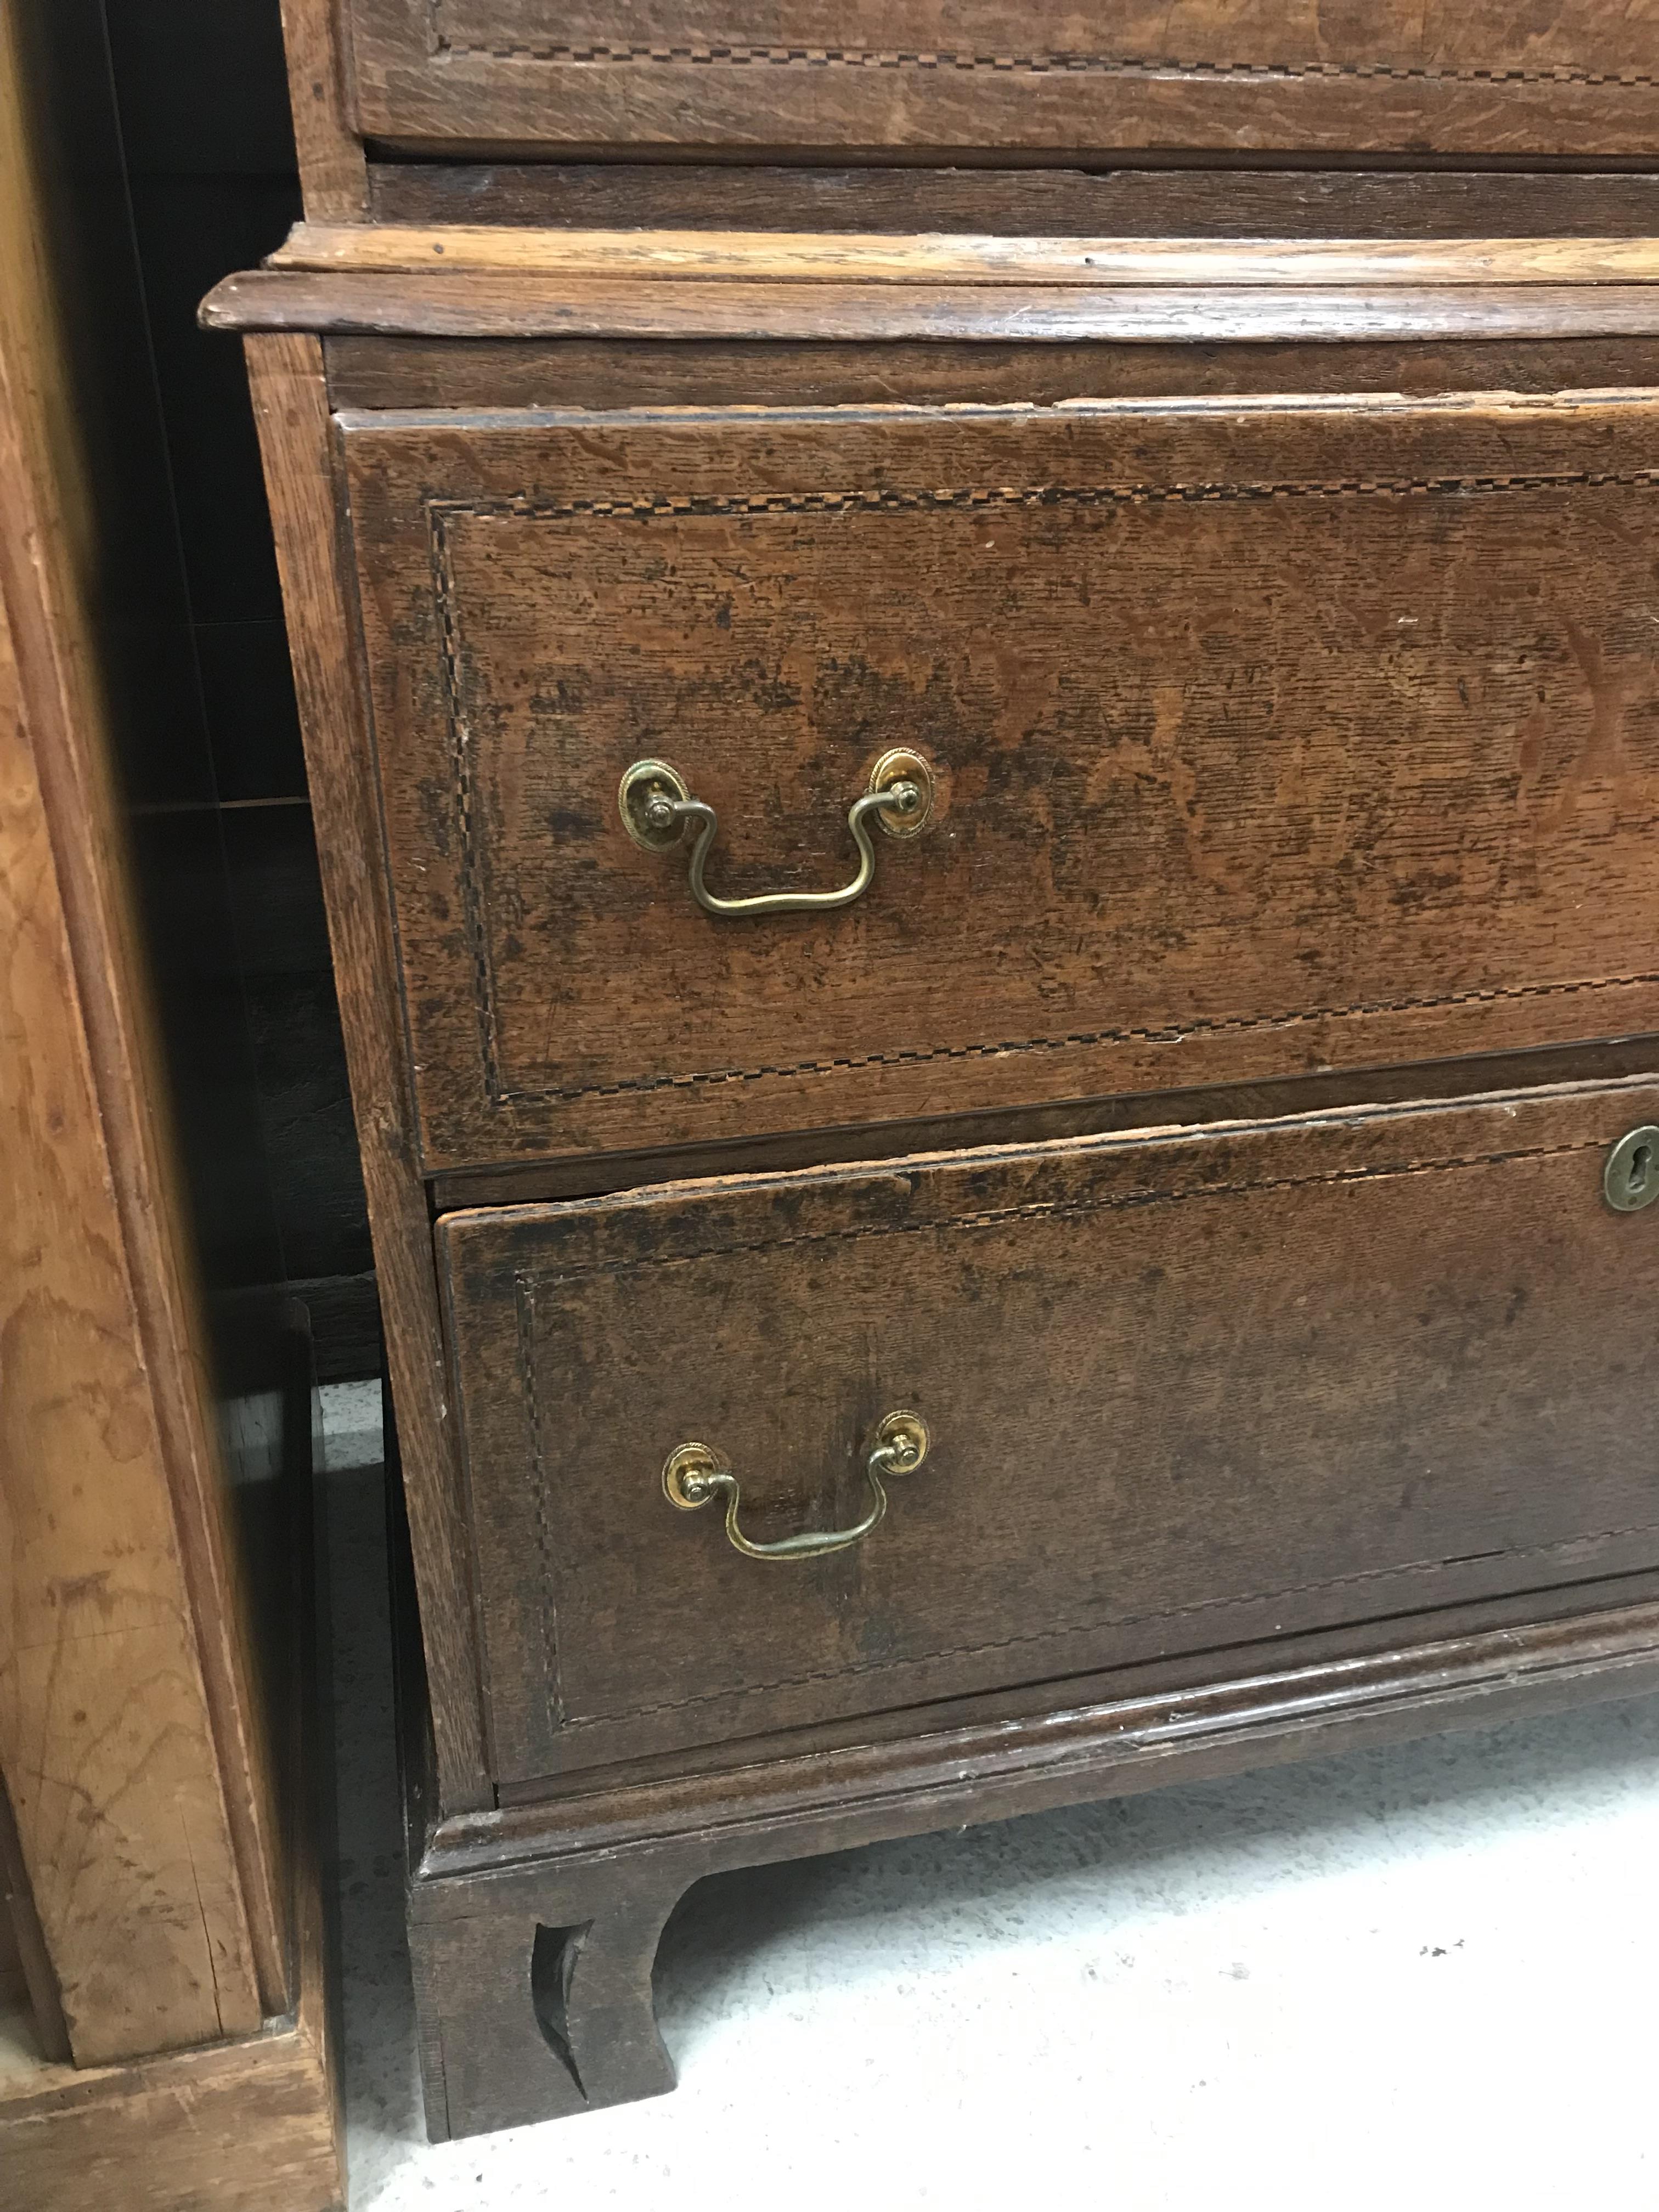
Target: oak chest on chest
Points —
{"points": [[990, 841]]}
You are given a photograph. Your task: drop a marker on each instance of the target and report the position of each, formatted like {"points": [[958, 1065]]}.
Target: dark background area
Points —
{"points": [[215, 775]]}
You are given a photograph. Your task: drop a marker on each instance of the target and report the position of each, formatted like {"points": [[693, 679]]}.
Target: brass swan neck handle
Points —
{"points": [[657, 807], [694, 1473]]}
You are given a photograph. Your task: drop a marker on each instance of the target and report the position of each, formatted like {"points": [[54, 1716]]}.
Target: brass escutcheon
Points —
{"points": [[1631, 1178]]}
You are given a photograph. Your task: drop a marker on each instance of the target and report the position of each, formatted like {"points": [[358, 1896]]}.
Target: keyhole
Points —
{"points": [[1631, 1176]]}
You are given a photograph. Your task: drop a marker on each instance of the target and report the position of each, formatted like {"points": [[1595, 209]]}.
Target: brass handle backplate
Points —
{"points": [[657, 807], [694, 1473]]}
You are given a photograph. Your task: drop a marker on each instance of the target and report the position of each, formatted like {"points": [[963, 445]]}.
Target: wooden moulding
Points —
{"points": [[1079, 1748], [968, 258], [507, 281], [493, 303], [533, 1930]]}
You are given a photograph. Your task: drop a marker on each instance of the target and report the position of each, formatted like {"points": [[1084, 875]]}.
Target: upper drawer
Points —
{"points": [[1183, 1393], [1574, 78], [1266, 738]]}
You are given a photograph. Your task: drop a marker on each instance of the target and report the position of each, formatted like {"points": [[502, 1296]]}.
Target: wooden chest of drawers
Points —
{"points": [[993, 895]]}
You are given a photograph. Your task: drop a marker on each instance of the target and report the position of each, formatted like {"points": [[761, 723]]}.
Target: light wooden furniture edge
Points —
{"points": [[174, 1939]]}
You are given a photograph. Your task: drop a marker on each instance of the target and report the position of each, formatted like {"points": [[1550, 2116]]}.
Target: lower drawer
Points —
{"points": [[1180, 1390]]}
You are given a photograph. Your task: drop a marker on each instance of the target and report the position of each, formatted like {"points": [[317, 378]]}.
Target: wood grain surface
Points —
{"points": [[622, 1829], [291, 408], [105, 1739], [333, 176], [1185, 1390], [492, 374], [487, 304], [1574, 78], [591, 1175], [253, 2125], [1122, 203], [131, 1734], [28, 1981], [1269, 739], [773, 257]]}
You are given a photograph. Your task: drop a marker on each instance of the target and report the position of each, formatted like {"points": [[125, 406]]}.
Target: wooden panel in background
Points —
{"points": [[250, 2126], [31, 2015], [105, 1735], [130, 1738]]}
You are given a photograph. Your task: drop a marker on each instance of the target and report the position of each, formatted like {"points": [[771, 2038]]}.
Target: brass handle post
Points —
{"points": [[657, 808], [694, 1473]]}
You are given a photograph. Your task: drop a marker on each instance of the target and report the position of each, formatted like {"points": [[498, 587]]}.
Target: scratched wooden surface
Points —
{"points": [[130, 1738], [1310, 76], [1269, 737], [104, 1731], [601, 374], [1185, 1391]]}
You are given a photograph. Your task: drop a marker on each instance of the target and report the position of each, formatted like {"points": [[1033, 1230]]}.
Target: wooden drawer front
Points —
{"points": [[1183, 1392], [1269, 737], [1456, 76]]}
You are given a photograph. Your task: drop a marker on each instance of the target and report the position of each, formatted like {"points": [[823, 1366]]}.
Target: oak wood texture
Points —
{"points": [[1269, 738], [291, 408], [130, 1739], [500, 1899], [1181, 203], [522, 2021], [253, 2125], [1185, 1390], [512, 305], [369, 372], [965, 258], [1575, 78], [1603, 1642], [590, 1174], [658, 1793], [333, 174]]}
